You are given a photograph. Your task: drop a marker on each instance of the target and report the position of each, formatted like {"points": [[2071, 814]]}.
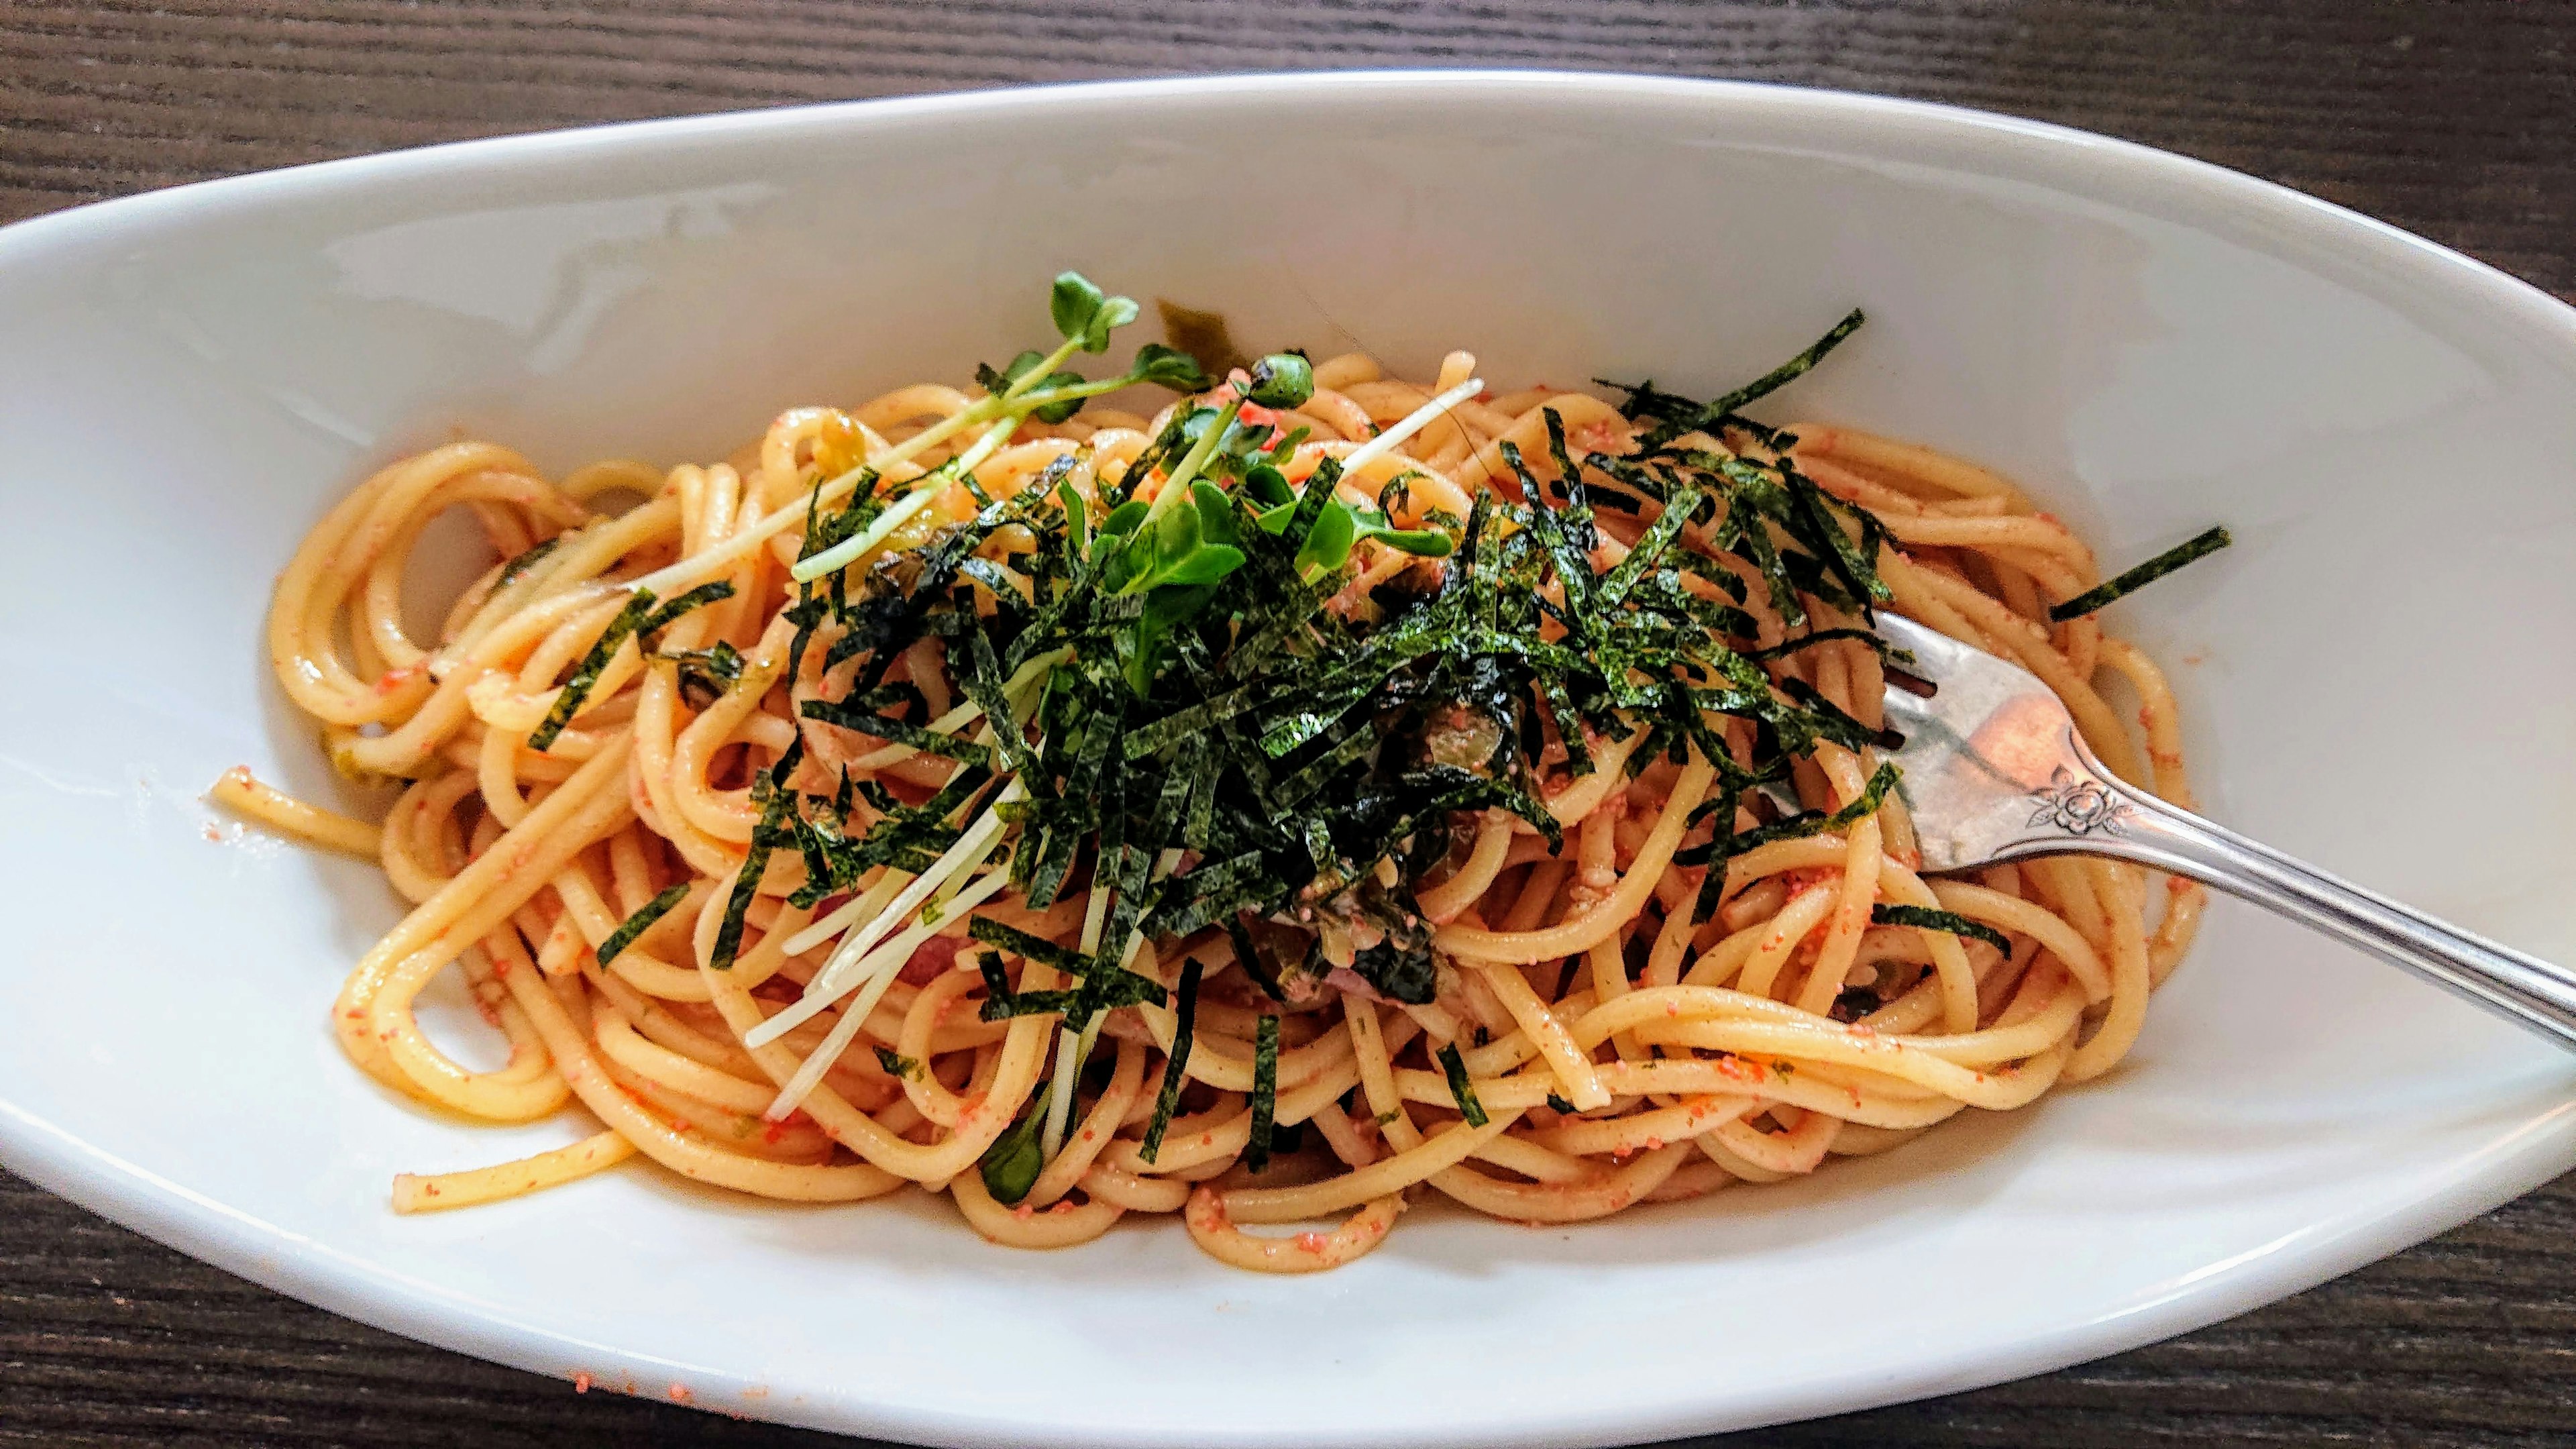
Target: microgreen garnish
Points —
{"points": [[2144, 574], [1462, 1090], [1084, 315], [1928, 919], [1012, 1164], [640, 922]]}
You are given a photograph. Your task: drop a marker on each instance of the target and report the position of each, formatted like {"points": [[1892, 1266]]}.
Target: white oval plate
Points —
{"points": [[2377, 677]]}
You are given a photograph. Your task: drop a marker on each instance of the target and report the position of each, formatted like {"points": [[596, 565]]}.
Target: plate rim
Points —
{"points": [[2125, 173]]}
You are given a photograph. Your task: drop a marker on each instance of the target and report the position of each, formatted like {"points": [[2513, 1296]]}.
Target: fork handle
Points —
{"points": [[2132, 825]]}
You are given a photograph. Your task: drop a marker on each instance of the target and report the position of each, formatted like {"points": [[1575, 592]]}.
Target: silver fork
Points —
{"points": [[1994, 770]]}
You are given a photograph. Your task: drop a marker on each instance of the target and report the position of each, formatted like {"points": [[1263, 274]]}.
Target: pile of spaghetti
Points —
{"points": [[1331, 789]]}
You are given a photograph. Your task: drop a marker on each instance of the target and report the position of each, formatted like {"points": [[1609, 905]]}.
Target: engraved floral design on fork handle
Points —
{"points": [[2080, 806]]}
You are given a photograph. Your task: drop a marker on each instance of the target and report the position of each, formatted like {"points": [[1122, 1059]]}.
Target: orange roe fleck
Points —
{"points": [[581, 1383]]}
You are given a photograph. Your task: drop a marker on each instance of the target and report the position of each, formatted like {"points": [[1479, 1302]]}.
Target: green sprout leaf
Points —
{"points": [[1268, 487], [1164, 367], [1115, 313], [1012, 1164], [1281, 380], [1082, 314], [1421, 542], [1073, 304], [1328, 543]]}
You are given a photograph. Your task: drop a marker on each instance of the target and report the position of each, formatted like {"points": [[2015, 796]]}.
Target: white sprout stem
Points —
{"points": [[698, 568], [1070, 1050], [1414, 422], [1021, 693], [970, 851], [861, 907], [849, 551], [888, 962], [947, 724], [1069, 1067], [1016, 689], [1176, 484], [1069, 1046], [1095, 915], [841, 972]]}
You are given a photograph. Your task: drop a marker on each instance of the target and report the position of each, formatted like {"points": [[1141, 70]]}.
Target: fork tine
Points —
{"points": [[1990, 734], [1933, 650]]}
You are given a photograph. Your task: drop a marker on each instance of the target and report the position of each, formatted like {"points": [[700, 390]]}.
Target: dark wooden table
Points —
{"points": [[2455, 120]]}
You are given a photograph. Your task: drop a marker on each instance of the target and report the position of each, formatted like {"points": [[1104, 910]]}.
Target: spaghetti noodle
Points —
{"points": [[1333, 787]]}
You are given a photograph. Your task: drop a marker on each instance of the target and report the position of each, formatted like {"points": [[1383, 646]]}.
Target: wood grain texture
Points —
{"points": [[2449, 119]]}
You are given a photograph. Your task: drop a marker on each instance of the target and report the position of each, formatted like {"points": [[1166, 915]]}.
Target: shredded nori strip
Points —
{"points": [[1460, 1088], [526, 561], [898, 1065], [777, 807], [665, 616], [1031, 1003], [1787, 647], [1675, 421], [640, 922], [1928, 919], [1027, 947], [2144, 574], [1175, 1061], [867, 722], [586, 674], [1559, 1104], [1265, 1091], [1247, 954], [1726, 847]]}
